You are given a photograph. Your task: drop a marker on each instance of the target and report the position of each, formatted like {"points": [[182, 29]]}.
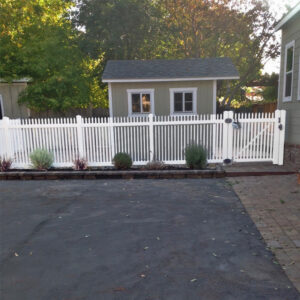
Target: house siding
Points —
{"points": [[10, 93], [291, 32], [162, 96]]}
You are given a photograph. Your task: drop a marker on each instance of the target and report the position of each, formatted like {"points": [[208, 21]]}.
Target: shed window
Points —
{"points": [[140, 101], [183, 100], [288, 71]]}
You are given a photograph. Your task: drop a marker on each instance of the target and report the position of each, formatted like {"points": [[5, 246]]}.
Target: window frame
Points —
{"points": [[288, 46], [299, 80], [192, 90], [1, 107], [140, 91]]}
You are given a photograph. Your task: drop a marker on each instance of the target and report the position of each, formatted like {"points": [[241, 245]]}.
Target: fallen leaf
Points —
{"points": [[158, 238], [194, 279], [119, 289], [143, 276], [214, 254], [16, 254], [146, 248]]}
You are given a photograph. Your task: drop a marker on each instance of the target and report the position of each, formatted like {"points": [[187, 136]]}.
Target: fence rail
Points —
{"points": [[235, 137]]}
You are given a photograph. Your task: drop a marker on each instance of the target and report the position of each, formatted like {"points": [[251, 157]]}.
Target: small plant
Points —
{"points": [[195, 156], [80, 164], [155, 165], [5, 164], [41, 159], [122, 161]]}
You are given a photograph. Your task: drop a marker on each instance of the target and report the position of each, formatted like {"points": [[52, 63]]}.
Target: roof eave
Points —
{"points": [[288, 17], [170, 79]]}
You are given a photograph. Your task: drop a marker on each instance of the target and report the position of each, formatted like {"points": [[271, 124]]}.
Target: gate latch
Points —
{"points": [[236, 125], [228, 120]]}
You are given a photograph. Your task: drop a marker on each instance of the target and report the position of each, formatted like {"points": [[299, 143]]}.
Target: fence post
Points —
{"points": [[112, 137], [279, 135], [79, 136], [8, 153], [227, 136], [151, 137]]}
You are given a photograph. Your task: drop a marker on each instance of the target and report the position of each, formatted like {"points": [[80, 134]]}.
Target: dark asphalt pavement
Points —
{"points": [[132, 239]]}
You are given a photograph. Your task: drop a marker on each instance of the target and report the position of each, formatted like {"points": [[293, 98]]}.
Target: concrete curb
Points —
{"points": [[131, 174]]}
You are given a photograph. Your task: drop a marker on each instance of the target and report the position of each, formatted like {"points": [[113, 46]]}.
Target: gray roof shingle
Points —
{"points": [[221, 67]]}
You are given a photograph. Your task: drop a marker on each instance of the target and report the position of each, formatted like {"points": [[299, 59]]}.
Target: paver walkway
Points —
{"points": [[273, 203]]}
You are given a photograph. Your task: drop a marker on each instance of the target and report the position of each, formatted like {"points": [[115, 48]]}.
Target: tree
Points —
{"points": [[242, 30], [38, 42], [122, 29]]}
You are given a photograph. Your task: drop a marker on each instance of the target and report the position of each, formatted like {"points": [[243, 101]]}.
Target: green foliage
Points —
{"points": [[122, 161], [41, 159], [142, 29], [39, 43], [5, 164], [195, 156], [42, 40], [123, 29]]}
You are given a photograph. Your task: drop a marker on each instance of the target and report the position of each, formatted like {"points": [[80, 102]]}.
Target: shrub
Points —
{"points": [[155, 165], [80, 164], [195, 156], [41, 159], [122, 161], [5, 164]]}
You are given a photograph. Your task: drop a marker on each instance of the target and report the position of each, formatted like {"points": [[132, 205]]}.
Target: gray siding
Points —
{"points": [[162, 96], [10, 94], [291, 32]]}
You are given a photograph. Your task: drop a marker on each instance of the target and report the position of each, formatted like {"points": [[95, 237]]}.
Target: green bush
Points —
{"points": [[195, 156], [41, 159], [122, 161]]}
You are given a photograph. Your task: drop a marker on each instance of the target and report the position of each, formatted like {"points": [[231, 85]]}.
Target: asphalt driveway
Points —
{"points": [[132, 239]]}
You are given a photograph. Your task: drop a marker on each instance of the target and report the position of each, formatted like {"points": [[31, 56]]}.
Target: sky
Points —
{"points": [[279, 9]]}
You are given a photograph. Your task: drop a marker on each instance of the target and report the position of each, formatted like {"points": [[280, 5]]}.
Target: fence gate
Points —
{"points": [[254, 137], [229, 137]]}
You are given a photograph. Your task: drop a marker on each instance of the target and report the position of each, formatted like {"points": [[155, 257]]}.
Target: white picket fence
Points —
{"points": [[239, 137]]}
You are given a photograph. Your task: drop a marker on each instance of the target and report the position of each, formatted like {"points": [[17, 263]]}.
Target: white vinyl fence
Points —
{"points": [[229, 137]]}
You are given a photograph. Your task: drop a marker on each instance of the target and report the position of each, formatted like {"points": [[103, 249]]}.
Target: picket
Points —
{"points": [[231, 137]]}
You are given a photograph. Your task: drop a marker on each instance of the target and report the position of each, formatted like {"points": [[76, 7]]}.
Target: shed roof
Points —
{"points": [[169, 70]]}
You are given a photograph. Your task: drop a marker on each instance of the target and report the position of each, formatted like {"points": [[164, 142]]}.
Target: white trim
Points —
{"points": [[171, 79], [299, 80], [290, 14], [192, 90], [2, 106], [214, 96], [140, 91], [110, 100], [287, 46]]}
